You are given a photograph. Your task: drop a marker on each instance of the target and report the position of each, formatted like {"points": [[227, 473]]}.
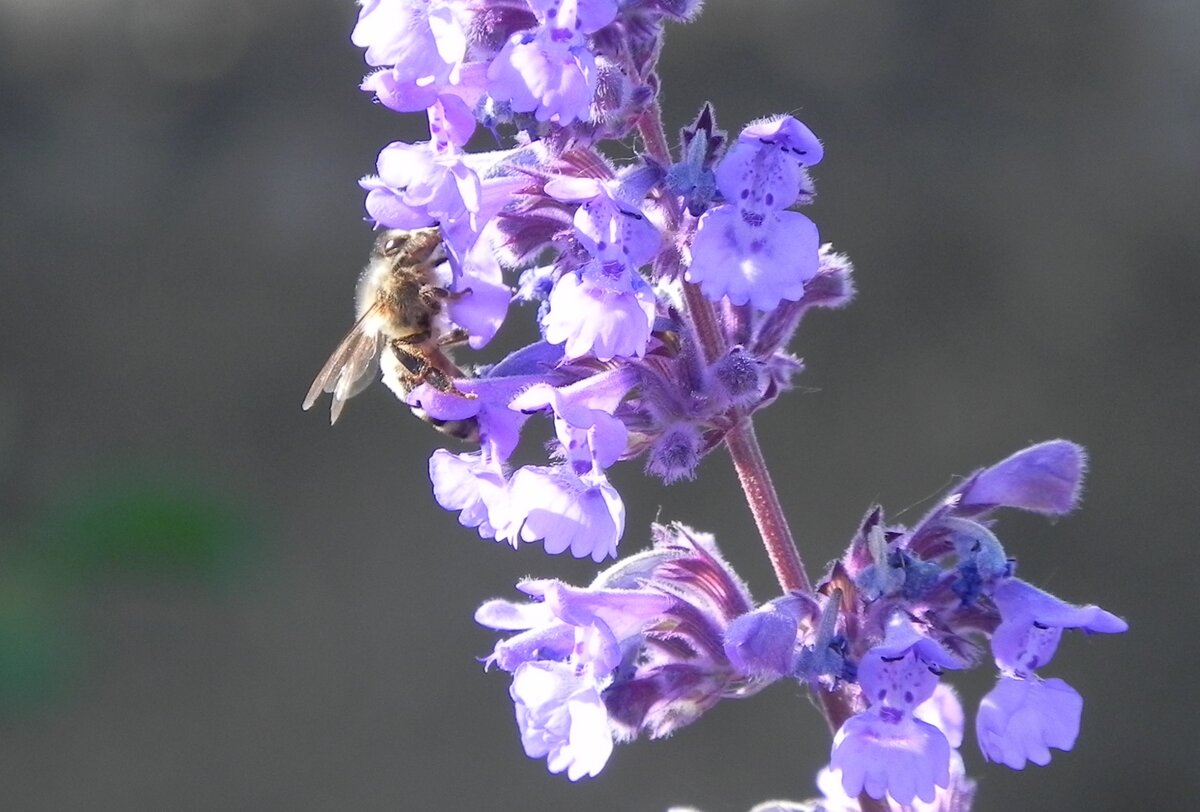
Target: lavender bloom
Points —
{"points": [[752, 249], [639, 649]]}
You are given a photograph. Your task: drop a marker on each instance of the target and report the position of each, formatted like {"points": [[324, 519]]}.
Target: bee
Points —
{"points": [[401, 327]]}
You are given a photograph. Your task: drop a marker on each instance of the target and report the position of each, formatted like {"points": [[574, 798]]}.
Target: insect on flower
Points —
{"points": [[401, 327]]}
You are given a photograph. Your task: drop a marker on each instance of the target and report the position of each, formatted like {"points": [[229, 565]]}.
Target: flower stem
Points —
{"points": [[764, 503]]}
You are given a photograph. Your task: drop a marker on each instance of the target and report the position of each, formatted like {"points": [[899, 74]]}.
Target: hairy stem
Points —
{"points": [[764, 503]]}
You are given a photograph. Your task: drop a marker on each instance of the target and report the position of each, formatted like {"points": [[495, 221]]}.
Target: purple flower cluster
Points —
{"points": [[913, 603], [663, 635], [603, 251], [639, 651], [666, 290]]}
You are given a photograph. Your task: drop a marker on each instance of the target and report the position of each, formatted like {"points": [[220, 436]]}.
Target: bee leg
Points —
{"points": [[431, 293], [453, 338], [422, 371]]}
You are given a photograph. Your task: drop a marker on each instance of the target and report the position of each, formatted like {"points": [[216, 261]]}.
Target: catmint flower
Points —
{"points": [[562, 718], [481, 299], [763, 642], [573, 506], [952, 571], [887, 749], [582, 513], [752, 249], [598, 312], [605, 308], [639, 649], [1024, 716], [1045, 478], [944, 711], [570, 642], [625, 366], [422, 47], [550, 71], [1021, 719], [473, 484], [435, 183], [423, 39]]}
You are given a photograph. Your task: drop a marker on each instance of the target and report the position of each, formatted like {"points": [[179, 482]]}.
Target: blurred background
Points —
{"points": [[212, 600]]}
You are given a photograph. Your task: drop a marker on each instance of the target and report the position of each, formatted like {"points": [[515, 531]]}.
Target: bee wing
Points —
{"points": [[348, 370]]}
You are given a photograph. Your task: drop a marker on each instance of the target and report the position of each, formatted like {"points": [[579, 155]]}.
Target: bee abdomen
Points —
{"points": [[466, 430]]}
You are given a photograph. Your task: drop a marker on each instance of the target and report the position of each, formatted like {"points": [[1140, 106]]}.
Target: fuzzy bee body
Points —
{"points": [[401, 328]]}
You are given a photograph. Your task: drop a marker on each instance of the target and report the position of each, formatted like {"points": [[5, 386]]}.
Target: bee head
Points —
{"points": [[409, 246]]}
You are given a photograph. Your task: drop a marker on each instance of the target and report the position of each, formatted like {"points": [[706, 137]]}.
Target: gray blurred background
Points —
{"points": [[212, 600]]}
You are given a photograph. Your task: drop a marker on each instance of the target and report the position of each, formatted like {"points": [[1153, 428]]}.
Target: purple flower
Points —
{"points": [[1021, 719], [569, 644], [481, 301], [550, 71], [423, 39], [573, 506], [789, 135], [887, 749], [474, 484], [645, 638], [763, 642], [583, 416], [562, 718], [943, 711], [611, 229], [752, 249], [605, 308], [1024, 716], [598, 313], [1032, 622], [583, 514], [1044, 478], [432, 183], [891, 754]]}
